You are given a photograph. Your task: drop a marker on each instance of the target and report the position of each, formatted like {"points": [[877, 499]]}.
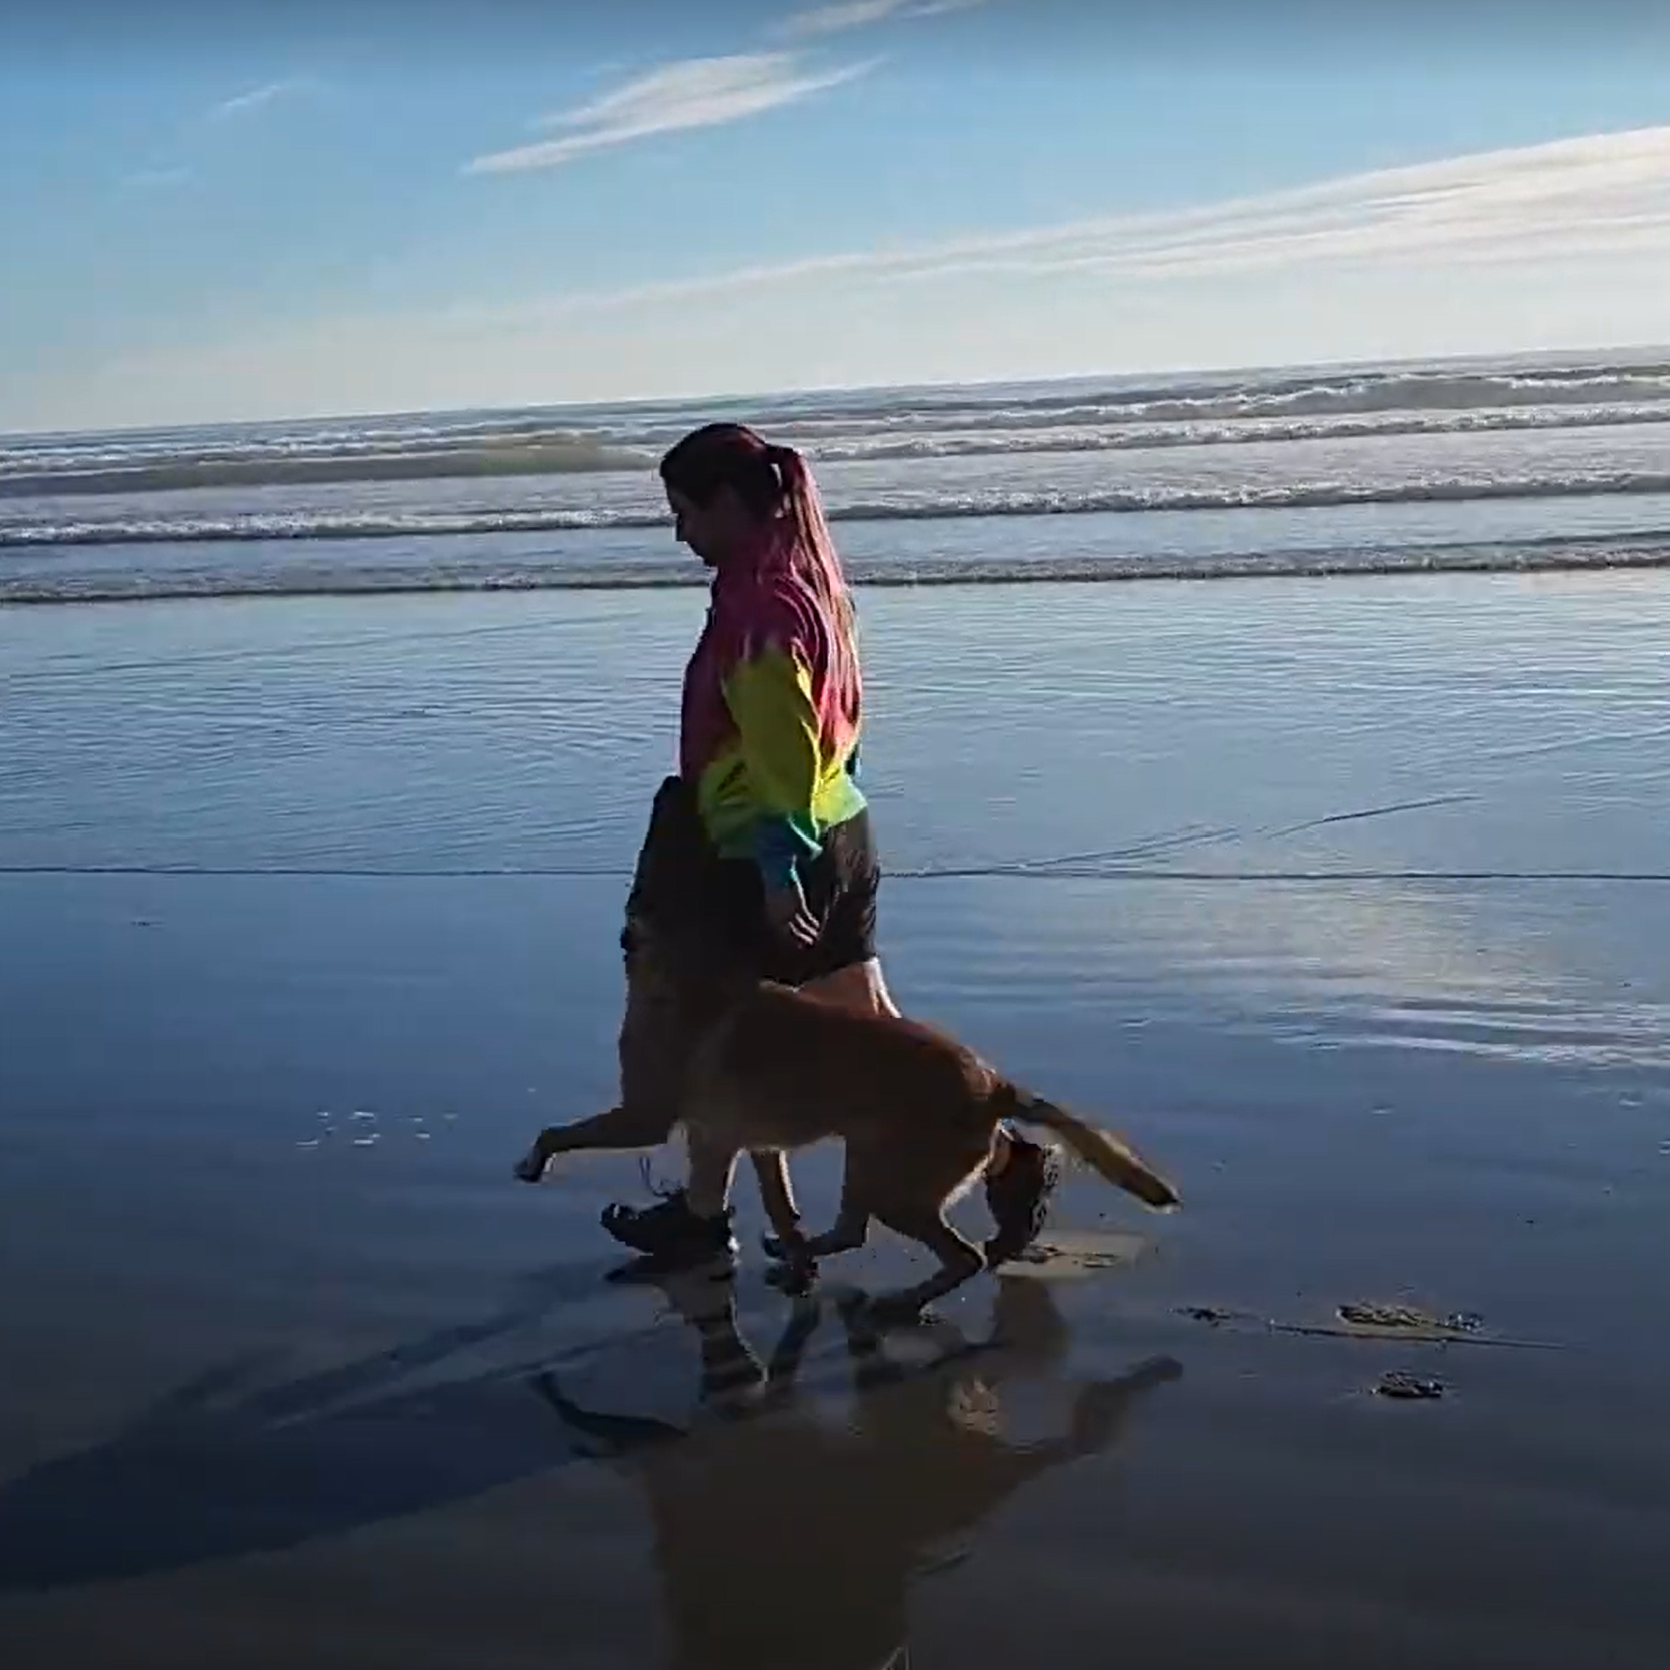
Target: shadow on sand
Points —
{"points": [[223, 1466], [767, 1512]]}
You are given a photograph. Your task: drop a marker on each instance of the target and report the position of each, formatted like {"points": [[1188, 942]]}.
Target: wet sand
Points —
{"points": [[279, 1393]]}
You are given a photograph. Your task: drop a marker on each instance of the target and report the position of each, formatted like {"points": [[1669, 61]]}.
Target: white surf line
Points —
{"points": [[1430, 803], [1338, 877], [1229, 833], [83, 666], [975, 872], [1593, 739]]}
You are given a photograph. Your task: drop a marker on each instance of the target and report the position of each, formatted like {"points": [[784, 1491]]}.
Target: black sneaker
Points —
{"points": [[1018, 1198], [670, 1233]]}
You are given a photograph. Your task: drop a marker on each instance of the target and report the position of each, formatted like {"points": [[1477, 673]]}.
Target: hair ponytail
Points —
{"points": [[815, 553]]}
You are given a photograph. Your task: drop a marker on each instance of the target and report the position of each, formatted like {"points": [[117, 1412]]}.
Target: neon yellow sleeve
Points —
{"points": [[770, 698]]}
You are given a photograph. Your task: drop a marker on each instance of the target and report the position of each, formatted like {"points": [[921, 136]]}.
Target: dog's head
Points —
{"points": [[679, 969]]}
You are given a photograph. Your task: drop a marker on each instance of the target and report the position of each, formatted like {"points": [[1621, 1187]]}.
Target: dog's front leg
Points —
{"points": [[627, 1126], [777, 1196], [852, 1222]]}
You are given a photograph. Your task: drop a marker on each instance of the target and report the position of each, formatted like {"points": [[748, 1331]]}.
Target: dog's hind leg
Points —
{"points": [[912, 1200], [777, 1194], [959, 1259], [846, 1234]]}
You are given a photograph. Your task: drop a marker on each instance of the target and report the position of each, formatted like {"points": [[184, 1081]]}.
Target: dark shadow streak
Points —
{"points": [[212, 1471]]}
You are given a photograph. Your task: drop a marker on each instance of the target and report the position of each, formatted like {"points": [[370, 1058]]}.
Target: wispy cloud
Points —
{"points": [[254, 97], [1497, 252], [1599, 195], [709, 92], [694, 93], [1604, 195], [860, 14], [195, 131]]}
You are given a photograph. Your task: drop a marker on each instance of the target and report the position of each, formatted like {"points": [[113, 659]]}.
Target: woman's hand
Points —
{"points": [[790, 917]]}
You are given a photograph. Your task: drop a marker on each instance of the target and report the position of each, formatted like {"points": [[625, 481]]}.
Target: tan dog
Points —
{"points": [[918, 1113], [761, 1069]]}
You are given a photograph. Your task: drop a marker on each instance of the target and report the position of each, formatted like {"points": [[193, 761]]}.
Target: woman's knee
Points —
{"points": [[859, 986]]}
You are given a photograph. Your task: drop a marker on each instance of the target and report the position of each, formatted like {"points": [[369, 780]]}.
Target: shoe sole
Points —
{"points": [[1018, 1228]]}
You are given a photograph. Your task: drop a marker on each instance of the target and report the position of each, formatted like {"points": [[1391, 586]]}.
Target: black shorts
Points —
{"points": [[680, 882]]}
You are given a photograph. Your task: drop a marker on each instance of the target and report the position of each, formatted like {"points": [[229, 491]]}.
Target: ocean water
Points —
{"points": [[1346, 899], [1522, 463]]}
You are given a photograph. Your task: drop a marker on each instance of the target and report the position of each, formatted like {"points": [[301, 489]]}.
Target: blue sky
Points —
{"points": [[241, 211]]}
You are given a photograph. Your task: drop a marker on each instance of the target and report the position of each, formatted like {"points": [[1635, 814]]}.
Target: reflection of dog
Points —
{"points": [[771, 1070], [834, 1521]]}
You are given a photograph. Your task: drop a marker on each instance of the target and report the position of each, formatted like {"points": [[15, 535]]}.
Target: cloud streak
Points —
{"points": [[710, 92], [1501, 252], [861, 14], [693, 93], [1603, 195], [1600, 195], [252, 99]]}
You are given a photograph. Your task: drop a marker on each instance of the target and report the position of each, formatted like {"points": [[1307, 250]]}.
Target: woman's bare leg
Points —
{"points": [[859, 986], [708, 1184]]}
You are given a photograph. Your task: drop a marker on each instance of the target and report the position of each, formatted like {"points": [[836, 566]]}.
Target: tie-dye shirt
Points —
{"points": [[766, 734]]}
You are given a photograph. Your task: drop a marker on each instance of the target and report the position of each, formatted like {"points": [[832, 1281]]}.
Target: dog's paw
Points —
{"points": [[794, 1278], [532, 1166]]}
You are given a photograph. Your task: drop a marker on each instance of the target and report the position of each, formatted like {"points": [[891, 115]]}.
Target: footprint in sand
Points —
{"points": [[366, 1128], [1401, 1384], [326, 1129], [1067, 1256]]}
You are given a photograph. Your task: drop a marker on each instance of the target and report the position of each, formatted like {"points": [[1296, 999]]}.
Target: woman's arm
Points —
{"points": [[770, 699]]}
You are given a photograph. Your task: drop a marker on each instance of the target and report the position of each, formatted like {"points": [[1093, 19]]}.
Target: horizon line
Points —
{"points": [[1613, 354]]}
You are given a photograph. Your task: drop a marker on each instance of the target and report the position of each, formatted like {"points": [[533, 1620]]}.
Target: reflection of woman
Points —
{"points": [[759, 854], [790, 1540]]}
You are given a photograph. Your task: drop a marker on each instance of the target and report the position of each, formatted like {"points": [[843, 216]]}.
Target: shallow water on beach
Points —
{"points": [[1346, 900]]}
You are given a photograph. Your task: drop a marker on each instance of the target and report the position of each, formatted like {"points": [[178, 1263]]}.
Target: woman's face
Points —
{"points": [[712, 531]]}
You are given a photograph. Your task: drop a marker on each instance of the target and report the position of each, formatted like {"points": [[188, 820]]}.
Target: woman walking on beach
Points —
{"points": [[760, 851]]}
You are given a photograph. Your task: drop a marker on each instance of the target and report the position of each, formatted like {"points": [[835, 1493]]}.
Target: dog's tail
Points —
{"points": [[1100, 1150]]}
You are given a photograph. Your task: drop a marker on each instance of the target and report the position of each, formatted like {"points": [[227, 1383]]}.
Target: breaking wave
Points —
{"points": [[534, 573], [904, 506], [1081, 416]]}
